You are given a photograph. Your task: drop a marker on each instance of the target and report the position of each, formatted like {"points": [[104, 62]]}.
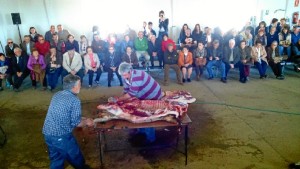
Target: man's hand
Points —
{"points": [[217, 58], [210, 58], [232, 66], [89, 122], [73, 72], [19, 74], [154, 53]]}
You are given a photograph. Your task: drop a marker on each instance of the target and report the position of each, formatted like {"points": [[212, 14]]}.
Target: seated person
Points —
{"points": [[274, 60], [185, 62], [262, 37], [72, 63], [54, 67], [42, 46], [171, 61], [244, 54], [259, 56], [165, 42], [3, 69], [111, 65], [130, 57], [59, 45], [188, 40], [92, 65], [27, 45], [285, 42], [141, 46], [19, 67], [296, 51], [230, 56], [37, 66], [214, 55], [9, 48], [154, 50], [199, 55], [126, 42], [71, 42]]}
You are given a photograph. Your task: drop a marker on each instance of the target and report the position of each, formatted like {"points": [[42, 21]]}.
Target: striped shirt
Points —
{"points": [[142, 86], [64, 114]]}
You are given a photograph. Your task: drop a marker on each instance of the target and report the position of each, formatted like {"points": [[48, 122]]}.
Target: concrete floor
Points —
{"points": [[235, 126]]}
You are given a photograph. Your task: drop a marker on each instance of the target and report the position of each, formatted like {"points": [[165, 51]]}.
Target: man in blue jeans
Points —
{"points": [[64, 114]]}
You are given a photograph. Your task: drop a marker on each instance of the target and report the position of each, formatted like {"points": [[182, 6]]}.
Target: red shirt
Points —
{"points": [[164, 45], [43, 48]]}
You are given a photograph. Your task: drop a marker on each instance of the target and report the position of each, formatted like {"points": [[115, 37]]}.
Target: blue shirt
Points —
{"points": [[64, 114]]}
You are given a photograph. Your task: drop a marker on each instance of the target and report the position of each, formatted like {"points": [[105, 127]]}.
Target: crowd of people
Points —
{"points": [[56, 54]]}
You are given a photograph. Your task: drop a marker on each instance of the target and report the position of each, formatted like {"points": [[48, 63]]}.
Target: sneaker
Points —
{"points": [[281, 77], [223, 80], [183, 80], [265, 76], [90, 86], [96, 81], [188, 80], [109, 85], [243, 80], [121, 84]]}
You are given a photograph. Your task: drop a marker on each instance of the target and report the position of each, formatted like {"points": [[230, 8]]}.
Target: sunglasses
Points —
{"points": [[9, 42], [41, 39]]}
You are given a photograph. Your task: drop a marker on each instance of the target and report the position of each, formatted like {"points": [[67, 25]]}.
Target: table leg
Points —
{"points": [[185, 143], [100, 147]]}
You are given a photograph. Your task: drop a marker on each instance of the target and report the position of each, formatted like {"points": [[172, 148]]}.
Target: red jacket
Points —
{"points": [[43, 48], [164, 44]]}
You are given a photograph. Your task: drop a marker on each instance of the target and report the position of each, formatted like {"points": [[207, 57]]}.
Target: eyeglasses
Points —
{"points": [[9, 42]]}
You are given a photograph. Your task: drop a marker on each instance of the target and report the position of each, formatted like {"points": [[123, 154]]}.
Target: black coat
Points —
{"points": [[22, 65]]}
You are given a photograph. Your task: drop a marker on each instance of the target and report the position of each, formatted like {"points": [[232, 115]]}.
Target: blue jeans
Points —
{"points": [[80, 73], [217, 63], [262, 67], [286, 50], [52, 77], [61, 148]]}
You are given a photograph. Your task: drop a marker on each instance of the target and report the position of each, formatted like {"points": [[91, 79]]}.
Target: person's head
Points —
{"points": [[272, 30], [35, 53], [125, 70], [262, 24], [128, 50], [274, 45], [274, 21], [26, 38], [208, 31], [141, 34], [10, 42], [83, 38], [184, 27], [170, 47], [126, 38], [200, 45], [41, 39], [72, 83], [197, 28], [188, 32], [111, 49], [17, 51], [285, 30], [71, 38], [59, 28], [248, 30], [231, 43], [216, 44], [152, 38], [217, 31], [70, 50], [243, 44], [185, 50], [52, 28], [89, 50], [52, 50], [2, 57], [55, 37], [261, 31], [258, 43], [150, 24], [165, 37], [144, 24], [161, 14], [96, 37], [282, 21], [32, 30]]}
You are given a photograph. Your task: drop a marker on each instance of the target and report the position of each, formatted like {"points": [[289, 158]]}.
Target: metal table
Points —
{"points": [[102, 128]]}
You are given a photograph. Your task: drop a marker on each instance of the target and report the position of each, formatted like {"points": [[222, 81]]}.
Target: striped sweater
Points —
{"points": [[142, 86]]}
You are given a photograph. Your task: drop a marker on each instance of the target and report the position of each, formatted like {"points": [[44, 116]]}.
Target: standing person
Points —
{"points": [[199, 55], [125, 43], [37, 66], [62, 33], [64, 114], [111, 65], [27, 45], [163, 24], [49, 34], [72, 43], [141, 85], [58, 44], [99, 46], [92, 65], [154, 50], [171, 61], [185, 62], [33, 34], [259, 55]]}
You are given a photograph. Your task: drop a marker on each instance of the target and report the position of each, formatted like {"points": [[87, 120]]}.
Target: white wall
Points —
{"points": [[78, 16]]}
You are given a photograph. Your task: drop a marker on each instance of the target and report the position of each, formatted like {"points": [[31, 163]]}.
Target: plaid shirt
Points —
{"points": [[64, 114]]}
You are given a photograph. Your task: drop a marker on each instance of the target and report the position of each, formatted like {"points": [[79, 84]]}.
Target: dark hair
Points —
{"points": [[70, 36], [196, 27], [263, 22], [258, 41], [274, 20], [25, 36], [128, 47], [200, 42], [2, 54], [150, 23], [33, 50], [89, 47], [161, 12], [32, 28], [185, 47], [242, 42], [182, 29]]}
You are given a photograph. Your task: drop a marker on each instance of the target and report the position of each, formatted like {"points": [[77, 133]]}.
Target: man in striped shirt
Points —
{"points": [[141, 85]]}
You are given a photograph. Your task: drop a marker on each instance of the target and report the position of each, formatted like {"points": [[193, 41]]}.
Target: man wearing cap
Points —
{"points": [[171, 61], [214, 56], [72, 63]]}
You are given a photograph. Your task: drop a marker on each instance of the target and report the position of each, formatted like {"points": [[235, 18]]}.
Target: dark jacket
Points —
{"points": [[10, 52], [156, 47], [272, 38], [227, 53], [170, 58], [22, 65], [75, 45], [164, 24], [218, 53], [270, 51], [112, 60], [99, 47], [131, 59], [244, 53], [24, 47]]}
